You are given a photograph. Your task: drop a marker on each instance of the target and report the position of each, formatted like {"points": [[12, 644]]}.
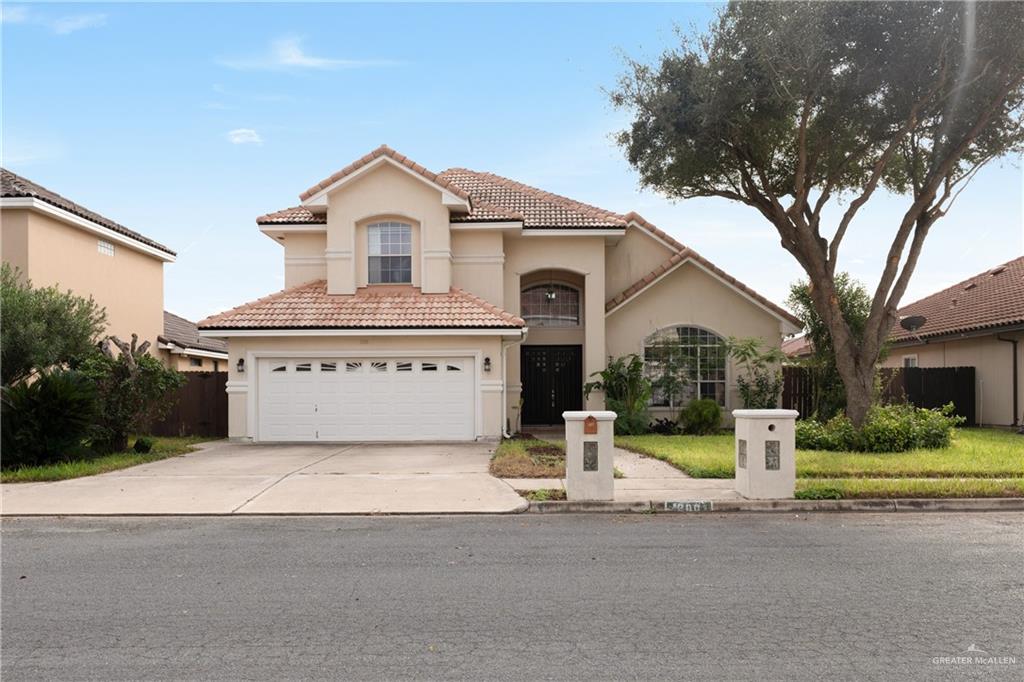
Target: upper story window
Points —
{"points": [[105, 248], [390, 252], [550, 305], [685, 363]]}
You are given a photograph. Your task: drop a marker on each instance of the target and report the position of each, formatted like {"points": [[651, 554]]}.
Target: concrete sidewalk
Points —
{"points": [[229, 478]]}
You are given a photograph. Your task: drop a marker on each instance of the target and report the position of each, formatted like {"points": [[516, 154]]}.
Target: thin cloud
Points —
{"points": [[244, 136], [288, 54], [69, 24], [13, 15]]}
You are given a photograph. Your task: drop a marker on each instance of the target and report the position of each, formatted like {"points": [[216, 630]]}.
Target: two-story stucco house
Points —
{"points": [[461, 305]]}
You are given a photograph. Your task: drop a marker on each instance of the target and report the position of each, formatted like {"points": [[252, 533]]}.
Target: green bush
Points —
{"points": [[45, 420], [701, 417], [889, 428], [626, 392], [143, 445]]}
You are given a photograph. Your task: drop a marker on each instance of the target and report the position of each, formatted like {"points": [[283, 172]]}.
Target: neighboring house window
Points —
{"points": [[195, 362], [910, 361], [106, 248], [390, 251], [550, 305], [685, 363]]}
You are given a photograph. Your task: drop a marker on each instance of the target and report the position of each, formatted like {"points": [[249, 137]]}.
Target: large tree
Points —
{"points": [[792, 108]]}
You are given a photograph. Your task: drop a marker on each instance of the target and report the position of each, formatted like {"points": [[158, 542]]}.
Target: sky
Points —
{"points": [[187, 121]]}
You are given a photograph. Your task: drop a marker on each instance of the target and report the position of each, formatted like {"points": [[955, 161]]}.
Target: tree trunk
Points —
{"points": [[860, 393]]}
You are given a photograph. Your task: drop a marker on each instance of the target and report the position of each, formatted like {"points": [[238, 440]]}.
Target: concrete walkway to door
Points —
{"points": [[231, 478]]}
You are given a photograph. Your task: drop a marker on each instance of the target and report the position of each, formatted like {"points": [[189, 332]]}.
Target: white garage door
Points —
{"points": [[343, 399]]}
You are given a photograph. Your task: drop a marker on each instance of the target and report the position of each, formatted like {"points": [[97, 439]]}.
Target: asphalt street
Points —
{"points": [[527, 597]]}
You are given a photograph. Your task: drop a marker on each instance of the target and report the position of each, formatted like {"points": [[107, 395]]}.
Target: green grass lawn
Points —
{"points": [[980, 462], [89, 466]]}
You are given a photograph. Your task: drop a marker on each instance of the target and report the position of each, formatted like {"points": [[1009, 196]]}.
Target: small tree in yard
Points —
{"points": [[760, 383], [133, 389], [787, 107], [626, 391], [855, 305], [43, 328]]}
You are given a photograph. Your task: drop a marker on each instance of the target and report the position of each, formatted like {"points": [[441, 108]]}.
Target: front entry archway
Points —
{"points": [[552, 379]]}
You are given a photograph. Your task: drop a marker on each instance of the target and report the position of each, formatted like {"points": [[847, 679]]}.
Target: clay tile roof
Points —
{"points": [[13, 185], [634, 217], [992, 299], [380, 151], [296, 215], [484, 212], [309, 306], [689, 254], [539, 209], [184, 334], [797, 347]]}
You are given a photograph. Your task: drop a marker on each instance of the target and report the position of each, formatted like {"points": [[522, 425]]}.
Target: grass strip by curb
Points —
{"points": [[889, 488]]}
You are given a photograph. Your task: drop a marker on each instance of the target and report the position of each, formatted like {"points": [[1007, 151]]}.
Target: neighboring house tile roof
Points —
{"points": [[296, 215], [309, 306], [13, 185], [539, 209], [380, 151], [990, 300], [798, 347], [184, 334]]}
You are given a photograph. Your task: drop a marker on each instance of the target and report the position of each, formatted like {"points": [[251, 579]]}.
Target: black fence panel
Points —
{"points": [[200, 408]]}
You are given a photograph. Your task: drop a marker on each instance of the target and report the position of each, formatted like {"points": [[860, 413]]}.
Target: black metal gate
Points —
{"points": [[552, 378]]}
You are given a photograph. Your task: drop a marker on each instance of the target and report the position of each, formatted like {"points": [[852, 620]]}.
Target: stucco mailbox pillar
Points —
{"points": [[589, 445], [765, 453]]}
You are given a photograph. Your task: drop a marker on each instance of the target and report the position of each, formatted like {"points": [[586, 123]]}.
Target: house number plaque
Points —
{"points": [[771, 455], [590, 455], [741, 455], [590, 425]]}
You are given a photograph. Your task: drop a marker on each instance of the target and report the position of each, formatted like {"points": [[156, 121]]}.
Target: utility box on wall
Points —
{"points": [[589, 462], [766, 453]]}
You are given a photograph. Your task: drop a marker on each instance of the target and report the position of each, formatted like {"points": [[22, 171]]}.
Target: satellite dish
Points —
{"points": [[913, 322]]}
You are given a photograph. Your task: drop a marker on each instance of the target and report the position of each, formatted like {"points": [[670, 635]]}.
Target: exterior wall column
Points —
{"points": [[594, 355]]}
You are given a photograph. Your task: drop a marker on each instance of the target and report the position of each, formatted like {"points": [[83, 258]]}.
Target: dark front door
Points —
{"points": [[552, 379]]}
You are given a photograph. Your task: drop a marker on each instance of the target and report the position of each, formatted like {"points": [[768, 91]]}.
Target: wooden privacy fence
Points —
{"points": [[200, 408], [929, 387]]}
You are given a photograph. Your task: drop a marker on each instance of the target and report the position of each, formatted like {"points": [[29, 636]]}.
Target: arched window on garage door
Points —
{"points": [[695, 355]]}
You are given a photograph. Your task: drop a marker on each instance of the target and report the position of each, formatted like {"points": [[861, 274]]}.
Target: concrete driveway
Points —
{"points": [[231, 478]]}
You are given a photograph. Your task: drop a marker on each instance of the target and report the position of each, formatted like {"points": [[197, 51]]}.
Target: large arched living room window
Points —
{"points": [[550, 305], [685, 363]]}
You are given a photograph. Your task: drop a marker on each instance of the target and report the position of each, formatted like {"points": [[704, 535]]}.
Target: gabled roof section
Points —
{"points": [[990, 300], [683, 255], [309, 306], [184, 334], [539, 209], [483, 212], [383, 152], [296, 215], [13, 185]]}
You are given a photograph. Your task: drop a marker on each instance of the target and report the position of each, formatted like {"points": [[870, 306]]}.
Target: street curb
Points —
{"points": [[981, 504]]}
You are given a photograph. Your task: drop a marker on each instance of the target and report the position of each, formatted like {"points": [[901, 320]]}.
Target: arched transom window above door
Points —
{"points": [[389, 247], [684, 363], [550, 305]]}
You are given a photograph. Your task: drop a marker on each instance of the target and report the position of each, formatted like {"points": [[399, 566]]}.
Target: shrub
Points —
{"points": [[889, 428], [133, 389], [143, 445], [701, 417], [46, 420], [665, 427], [626, 392], [760, 381]]}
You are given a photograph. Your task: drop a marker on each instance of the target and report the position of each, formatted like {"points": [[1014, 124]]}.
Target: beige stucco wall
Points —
{"points": [[129, 284], [387, 192], [242, 387], [182, 363], [993, 370], [478, 258], [14, 237], [539, 255], [304, 259], [690, 296], [632, 258]]}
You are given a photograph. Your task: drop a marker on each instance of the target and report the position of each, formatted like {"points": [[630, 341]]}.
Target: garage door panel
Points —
{"points": [[366, 399]]}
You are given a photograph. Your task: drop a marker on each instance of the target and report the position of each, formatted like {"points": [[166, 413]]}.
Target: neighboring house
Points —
{"points": [[183, 349], [54, 241], [462, 304], [798, 348], [976, 323]]}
